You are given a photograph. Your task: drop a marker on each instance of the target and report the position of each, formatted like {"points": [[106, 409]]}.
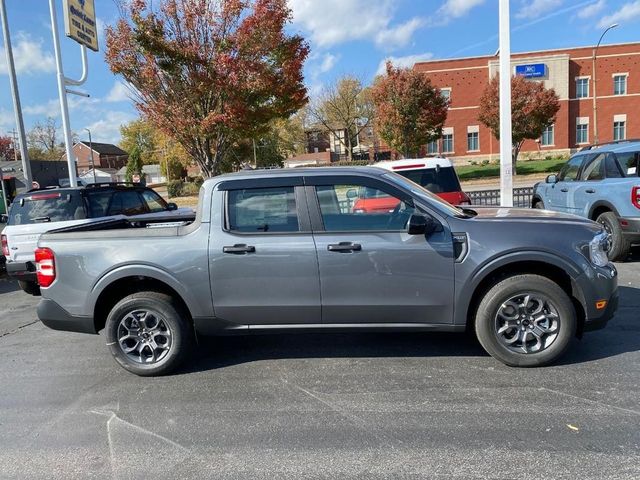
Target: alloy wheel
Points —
{"points": [[144, 336]]}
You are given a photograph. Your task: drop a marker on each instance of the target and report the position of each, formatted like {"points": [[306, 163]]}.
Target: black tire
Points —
{"points": [[32, 288], [538, 287], [620, 246], [168, 314], [539, 204]]}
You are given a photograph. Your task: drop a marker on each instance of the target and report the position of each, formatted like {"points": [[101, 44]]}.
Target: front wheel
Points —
{"points": [[526, 321], [620, 246], [149, 334], [539, 204]]}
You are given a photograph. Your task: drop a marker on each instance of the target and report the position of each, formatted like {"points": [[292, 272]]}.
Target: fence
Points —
{"points": [[521, 197]]}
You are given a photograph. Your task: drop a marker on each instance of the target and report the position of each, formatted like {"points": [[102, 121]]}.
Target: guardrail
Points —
{"points": [[521, 197]]}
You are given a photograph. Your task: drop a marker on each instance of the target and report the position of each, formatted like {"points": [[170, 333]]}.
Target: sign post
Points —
{"points": [[80, 25], [506, 163]]}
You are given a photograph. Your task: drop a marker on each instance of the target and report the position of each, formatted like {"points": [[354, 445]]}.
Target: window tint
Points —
{"points": [[99, 203], [594, 169], [444, 180], [611, 167], [628, 163], [569, 171], [154, 202], [126, 202], [359, 208], [47, 207], [257, 210]]}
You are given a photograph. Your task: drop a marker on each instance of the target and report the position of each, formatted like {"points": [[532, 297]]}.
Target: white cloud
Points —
{"points": [[402, 62], [51, 108], [28, 56], [118, 93], [7, 119], [536, 8], [457, 8], [331, 22], [107, 129], [592, 10], [627, 13], [328, 62]]}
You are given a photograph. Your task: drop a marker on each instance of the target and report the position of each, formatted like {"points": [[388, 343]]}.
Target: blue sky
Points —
{"points": [[346, 37]]}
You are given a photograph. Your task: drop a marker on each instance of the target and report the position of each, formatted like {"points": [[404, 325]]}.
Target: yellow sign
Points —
{"points": [[80, 22]]}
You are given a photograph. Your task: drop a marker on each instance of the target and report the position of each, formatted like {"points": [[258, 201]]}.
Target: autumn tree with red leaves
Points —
{"points": [[410, 112], [209, 73], [533, 108], [6, 149]]}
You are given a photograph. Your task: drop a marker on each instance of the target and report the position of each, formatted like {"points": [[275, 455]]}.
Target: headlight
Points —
{"points": [[598, 248]]}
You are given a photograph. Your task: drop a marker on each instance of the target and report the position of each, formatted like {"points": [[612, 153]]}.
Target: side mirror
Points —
{"points": [[352, 193], [421, 225], [172, 206], [552, 179], [4, 218]]}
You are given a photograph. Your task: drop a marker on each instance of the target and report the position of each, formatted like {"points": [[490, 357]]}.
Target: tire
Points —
{"points": [[620, 246], [532, 352], [32, 288], [154, 328], [539, 204]]}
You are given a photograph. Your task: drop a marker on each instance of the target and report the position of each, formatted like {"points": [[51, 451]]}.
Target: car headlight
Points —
{"points": [[598, 248]]}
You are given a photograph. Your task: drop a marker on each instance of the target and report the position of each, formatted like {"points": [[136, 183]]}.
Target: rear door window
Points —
{"points": [[628, 163], [595, 169], [127, 202], [99, 203], [262, 210], [441, 180], [42, 207]]}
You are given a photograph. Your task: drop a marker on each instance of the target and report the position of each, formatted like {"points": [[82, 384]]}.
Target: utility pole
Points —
{"points": [[17, 108], [506, 161]]}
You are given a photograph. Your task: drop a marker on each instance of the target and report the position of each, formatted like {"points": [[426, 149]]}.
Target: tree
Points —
{"points": [[134, 164], [410, 112], [43, 140], [6, 149], [344, 107], [140, 134], [209, 73], [533, 108]]}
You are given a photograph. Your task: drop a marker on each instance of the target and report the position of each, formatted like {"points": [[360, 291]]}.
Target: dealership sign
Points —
{"points": [[80, 22], [535, 70]]}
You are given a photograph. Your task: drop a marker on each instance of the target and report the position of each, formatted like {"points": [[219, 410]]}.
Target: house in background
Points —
{"points": [[151, 174], [105, 155], [99, 175]]}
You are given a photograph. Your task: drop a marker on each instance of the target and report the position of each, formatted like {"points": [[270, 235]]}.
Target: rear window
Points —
{"points": [[42, 207], [441, 180]]}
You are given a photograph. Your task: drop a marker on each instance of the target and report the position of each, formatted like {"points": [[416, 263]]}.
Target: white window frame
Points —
{"points": [[471, 129], [584, 122], [625, 75], [620, 119], [437, 150], [553, 136], [588, 79], [448, 90]]}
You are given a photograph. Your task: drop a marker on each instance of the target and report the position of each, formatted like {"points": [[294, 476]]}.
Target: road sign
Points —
{"points": [[136, 179], [80, 22], [536, 70]]}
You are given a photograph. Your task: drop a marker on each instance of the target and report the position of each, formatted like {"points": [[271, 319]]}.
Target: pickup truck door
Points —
{"points": [[560, 194], [371, 269], [262, 259]]}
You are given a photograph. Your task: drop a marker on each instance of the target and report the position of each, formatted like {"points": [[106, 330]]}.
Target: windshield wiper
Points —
{"points": [[42, 219]]}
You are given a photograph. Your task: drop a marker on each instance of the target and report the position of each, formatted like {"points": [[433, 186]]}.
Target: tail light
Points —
{"points": [[464, 199], [45, 266], [5, 245], [635, 197]]}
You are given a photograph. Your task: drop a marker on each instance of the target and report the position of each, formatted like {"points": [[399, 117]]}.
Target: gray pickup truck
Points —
{"points": [[286, 251]]}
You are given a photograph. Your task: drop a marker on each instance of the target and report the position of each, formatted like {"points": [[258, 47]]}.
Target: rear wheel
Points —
{"points": [[526, 321], [149, 334], [620, 246], [32, 288]]}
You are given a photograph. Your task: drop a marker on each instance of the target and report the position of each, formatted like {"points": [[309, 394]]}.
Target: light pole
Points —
{"points": [[595, 85], [93, 165]]}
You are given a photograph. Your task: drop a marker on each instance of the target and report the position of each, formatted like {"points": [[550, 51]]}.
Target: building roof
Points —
{"points": [[105, 148], [151, 169], [106, 171]]}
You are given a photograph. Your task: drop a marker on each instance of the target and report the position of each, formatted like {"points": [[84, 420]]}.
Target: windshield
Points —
{"points": [[424, 194], [47, 207], [441, 180]]}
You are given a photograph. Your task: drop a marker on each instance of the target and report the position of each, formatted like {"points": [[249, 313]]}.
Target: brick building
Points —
{"points": [[105, 155], [569, 72]]}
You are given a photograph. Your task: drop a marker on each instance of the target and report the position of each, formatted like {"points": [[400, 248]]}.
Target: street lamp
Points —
{"points": [[93, 165], [595, 85]]}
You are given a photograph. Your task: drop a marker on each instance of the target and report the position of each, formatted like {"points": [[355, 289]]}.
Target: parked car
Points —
{"points": [[38, 211], [600, 183], [272, 251]]}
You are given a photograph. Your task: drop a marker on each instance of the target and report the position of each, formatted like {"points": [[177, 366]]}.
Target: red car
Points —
{"points": [[435, 174]]}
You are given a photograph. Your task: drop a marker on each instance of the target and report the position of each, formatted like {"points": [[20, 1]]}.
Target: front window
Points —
{"points": [[473, 141], [447, 143], [547, 137], [582, 88], [126, 202], [154, 201], [569, 171], [619, 130], [262, 210], [620, 85], [582, 133]]}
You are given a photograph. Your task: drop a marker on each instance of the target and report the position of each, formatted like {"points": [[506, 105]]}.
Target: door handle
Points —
{"points": [[565, 190], [590, 190], [239, 249], [344, 247]]}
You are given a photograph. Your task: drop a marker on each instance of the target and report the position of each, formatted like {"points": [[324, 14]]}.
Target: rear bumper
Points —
{"points": [[25, 271], [631, 228], [57, 318]]}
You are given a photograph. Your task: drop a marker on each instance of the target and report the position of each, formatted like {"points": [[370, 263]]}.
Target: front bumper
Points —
{"points": [[596, 285], [631, 229], [25, 271], [57, 318]]}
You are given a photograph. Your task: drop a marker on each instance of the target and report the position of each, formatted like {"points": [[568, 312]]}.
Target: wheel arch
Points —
{"points": [[600, 207]]}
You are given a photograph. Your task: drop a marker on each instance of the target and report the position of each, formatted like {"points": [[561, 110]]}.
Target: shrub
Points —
{"points": [[174, 188], [189, 189]]}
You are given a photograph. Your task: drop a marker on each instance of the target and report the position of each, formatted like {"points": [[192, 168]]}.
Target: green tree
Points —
{"points": [[134, 165]]}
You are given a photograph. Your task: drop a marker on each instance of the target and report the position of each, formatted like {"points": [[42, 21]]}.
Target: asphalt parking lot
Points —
{"points": [[320, 406]]}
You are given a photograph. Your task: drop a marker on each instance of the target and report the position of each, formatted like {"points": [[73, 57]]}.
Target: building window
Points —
{"points": [[473, 141], [582, 87], [582, 133], [619, 84], [446, 93], [432, 147], [447, 143], [619, 131], [547, 137]]}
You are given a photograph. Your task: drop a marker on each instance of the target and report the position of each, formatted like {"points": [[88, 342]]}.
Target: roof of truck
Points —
{"points": [[298, 172]]}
